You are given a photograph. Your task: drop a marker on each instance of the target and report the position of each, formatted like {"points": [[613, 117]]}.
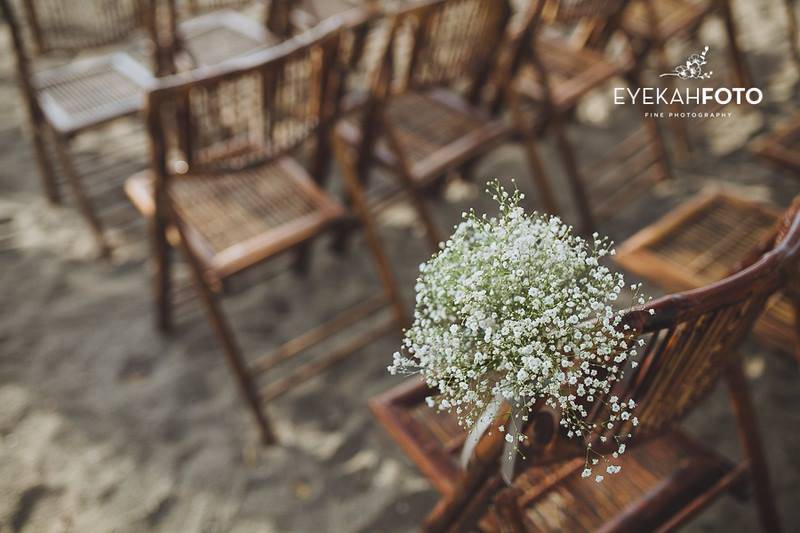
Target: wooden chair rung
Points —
{"points": [[311, 369], [313, 337]]}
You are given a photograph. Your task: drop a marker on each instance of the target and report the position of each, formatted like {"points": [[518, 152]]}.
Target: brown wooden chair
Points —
{"points": [[781, 146], [701, 241], [225, 188], [427, 113], [691, 341], [65, 101], [651, 25], [556, 73]]}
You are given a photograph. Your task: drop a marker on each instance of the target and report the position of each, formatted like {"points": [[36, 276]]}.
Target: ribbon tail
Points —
{"points": [[480, 427]]}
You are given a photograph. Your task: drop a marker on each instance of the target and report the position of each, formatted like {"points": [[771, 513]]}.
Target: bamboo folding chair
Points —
{"points": [[704, 239], [653, 24], [83, 94], [554, 77], [225, 188], [427, 112], [667, 477]]}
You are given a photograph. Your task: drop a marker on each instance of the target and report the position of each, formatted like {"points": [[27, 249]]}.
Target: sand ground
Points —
{"points": [[107, 426]]}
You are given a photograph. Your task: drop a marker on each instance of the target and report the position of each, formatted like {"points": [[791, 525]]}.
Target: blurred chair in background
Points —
{"points": [[653, 25], [225, 188], [64, 101], [703, 240], [557, 72], [428, 111]]}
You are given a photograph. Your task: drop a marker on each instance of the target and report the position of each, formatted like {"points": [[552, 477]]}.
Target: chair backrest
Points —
{"points": [[366, 34], [197, 7], [691, 337], [69, 26], [453, 43], [245, 112]]}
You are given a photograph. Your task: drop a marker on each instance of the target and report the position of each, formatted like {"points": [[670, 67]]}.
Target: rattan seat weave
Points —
{"points": [[237, 219], [669, 470], [216, 37], [92, 91], [426, 125], [704, 240], [572, 72]]}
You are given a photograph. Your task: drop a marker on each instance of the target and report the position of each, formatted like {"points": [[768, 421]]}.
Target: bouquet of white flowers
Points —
{"points": [[516, 307]]}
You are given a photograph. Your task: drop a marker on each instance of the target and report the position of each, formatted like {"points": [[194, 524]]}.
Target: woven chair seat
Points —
{"points": [[662, 474], [704, 240], [675, 17], [237, 220], [554, 495], [216, 37], [573, 72], [435, 130], [782, 146], [92, 91]]}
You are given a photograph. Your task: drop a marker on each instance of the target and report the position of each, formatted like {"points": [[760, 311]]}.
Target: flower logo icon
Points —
{"points": [[692, 69]]}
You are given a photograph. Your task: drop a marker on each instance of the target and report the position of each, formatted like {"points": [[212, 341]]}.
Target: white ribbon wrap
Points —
{"points": [[509, 457]]}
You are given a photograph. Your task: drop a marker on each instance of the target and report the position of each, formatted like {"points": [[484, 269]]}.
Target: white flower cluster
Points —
{"points": [[516, 306]]}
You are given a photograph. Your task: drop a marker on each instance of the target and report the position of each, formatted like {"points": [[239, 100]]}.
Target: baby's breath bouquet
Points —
{"points": [[519, 308]]}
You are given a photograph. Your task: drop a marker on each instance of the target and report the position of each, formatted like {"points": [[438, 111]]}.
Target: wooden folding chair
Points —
{"points": [[703, 240], [427, 113], [691, 340], [556, 73], [226, 190], [651, 25], [66, 101]]}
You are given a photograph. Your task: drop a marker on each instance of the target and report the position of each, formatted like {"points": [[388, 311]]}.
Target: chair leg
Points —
{"points": [[652, 129], [538, 174], [302, 259], [230, 348], [76, 185], [162, 258], [678, 125], [45, 166], [359, 203], [431, 231], [750, 437], [568, 159], [743, 77]]}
